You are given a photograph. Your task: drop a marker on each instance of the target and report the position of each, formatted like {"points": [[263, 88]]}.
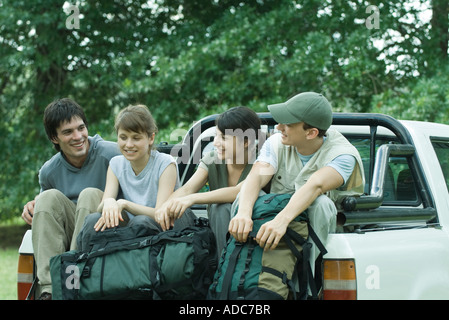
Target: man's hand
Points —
{"points": [[240, 226], [271, 232], [28, 212]]}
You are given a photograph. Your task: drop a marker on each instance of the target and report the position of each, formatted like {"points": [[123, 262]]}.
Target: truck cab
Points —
{"points": [[392, 242]]}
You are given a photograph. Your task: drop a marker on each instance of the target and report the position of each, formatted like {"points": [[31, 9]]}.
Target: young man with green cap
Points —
{"points": [[306, 160]]}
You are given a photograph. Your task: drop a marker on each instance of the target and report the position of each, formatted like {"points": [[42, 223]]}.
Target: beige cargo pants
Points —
{"points": [[56, 224]]}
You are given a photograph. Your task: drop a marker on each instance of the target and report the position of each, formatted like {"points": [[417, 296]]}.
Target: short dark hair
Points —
{"points": [[321, 132], [58, 112], [240, 117]]}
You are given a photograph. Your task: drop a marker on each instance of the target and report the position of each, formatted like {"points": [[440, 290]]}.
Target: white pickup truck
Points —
{"points": [[392, 242]]}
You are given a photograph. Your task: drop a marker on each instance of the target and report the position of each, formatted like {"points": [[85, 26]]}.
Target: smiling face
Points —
{"points": [[72, 138], [229, 146], [135, 146]]}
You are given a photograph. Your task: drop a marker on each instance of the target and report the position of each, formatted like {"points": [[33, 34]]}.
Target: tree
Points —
{"points": [[188, 58], [439, 35], [42, 59]]}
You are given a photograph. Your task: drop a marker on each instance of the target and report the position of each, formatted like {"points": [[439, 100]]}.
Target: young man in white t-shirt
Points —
{"points": [[304, 160]]}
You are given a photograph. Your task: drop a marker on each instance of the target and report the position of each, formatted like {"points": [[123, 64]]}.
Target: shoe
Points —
{"points": [[45, 296]]}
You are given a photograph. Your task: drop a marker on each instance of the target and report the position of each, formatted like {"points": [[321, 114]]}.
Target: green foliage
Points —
{"points": [[426, 99], [187, 59]]}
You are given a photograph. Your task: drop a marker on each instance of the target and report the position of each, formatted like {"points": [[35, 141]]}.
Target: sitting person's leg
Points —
{"points": [[88, 202], [219, 217], [87, 232], [323, 220], [53, 224]]}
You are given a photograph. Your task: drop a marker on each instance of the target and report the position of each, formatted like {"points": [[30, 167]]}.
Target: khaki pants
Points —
{"points": [[219, 215], [323, 219], [56, 224]]}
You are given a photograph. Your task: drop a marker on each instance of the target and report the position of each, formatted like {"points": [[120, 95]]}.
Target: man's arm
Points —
{"points": [[28, 211], [322, 181], [259, 176]]}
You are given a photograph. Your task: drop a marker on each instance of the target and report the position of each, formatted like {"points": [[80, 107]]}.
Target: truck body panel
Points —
{"points": [[396, 264]]}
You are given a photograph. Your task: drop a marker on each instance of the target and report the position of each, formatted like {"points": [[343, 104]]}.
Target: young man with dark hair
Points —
{"points": [[58, 211]]}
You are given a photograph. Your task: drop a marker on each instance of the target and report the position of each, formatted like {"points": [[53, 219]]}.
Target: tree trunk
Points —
{"points": [[440, 33]]}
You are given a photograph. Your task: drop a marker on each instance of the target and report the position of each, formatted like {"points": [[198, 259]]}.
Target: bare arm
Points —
{"points": [[165, 214], [166, 186], [223, 195], [320, 182], [260, 174], [111, 211], [193, 185]]}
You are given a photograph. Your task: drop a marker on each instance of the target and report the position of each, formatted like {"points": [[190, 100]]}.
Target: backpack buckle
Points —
{"points": [[86, 272]]}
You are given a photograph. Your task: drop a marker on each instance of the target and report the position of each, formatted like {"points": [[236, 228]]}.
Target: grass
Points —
{"points": [[8, 274], [10, 238]]}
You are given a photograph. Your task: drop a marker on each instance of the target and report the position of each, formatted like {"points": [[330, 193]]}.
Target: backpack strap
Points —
{"points": [[230, 271], [302, 260], [307, 275], [32, 292], [240, 288], [283, 277], [317, 240], [316, 281]]}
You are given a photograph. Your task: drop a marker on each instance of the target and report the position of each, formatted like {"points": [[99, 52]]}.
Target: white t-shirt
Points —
{"points": [[142, 188], [344, 164]]}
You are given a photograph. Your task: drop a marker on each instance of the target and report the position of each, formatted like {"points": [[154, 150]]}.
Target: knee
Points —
{"points": [[90, 194], [144, 225], [89, 199], [141, 219], [324, 202], [47, 198], [323, 213], [49, 195]]}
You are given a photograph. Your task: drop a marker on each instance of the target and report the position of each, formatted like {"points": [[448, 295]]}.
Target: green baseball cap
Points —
{"points": [[309, 107]]}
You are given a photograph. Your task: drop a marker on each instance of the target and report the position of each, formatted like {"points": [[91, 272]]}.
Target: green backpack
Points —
{"points": [[246, 271], [175, 264]]}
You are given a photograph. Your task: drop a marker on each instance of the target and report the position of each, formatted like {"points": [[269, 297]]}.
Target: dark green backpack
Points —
{"points": [[175, 264], [246, 271], [183, 263]]}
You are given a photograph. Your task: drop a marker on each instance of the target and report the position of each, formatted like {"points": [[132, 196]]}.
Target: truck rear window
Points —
{"points": [[400, 187], [441, 148]]}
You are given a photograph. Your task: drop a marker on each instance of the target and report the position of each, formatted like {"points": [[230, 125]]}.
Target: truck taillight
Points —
{"points": [[339, 282], [25, 275]]}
